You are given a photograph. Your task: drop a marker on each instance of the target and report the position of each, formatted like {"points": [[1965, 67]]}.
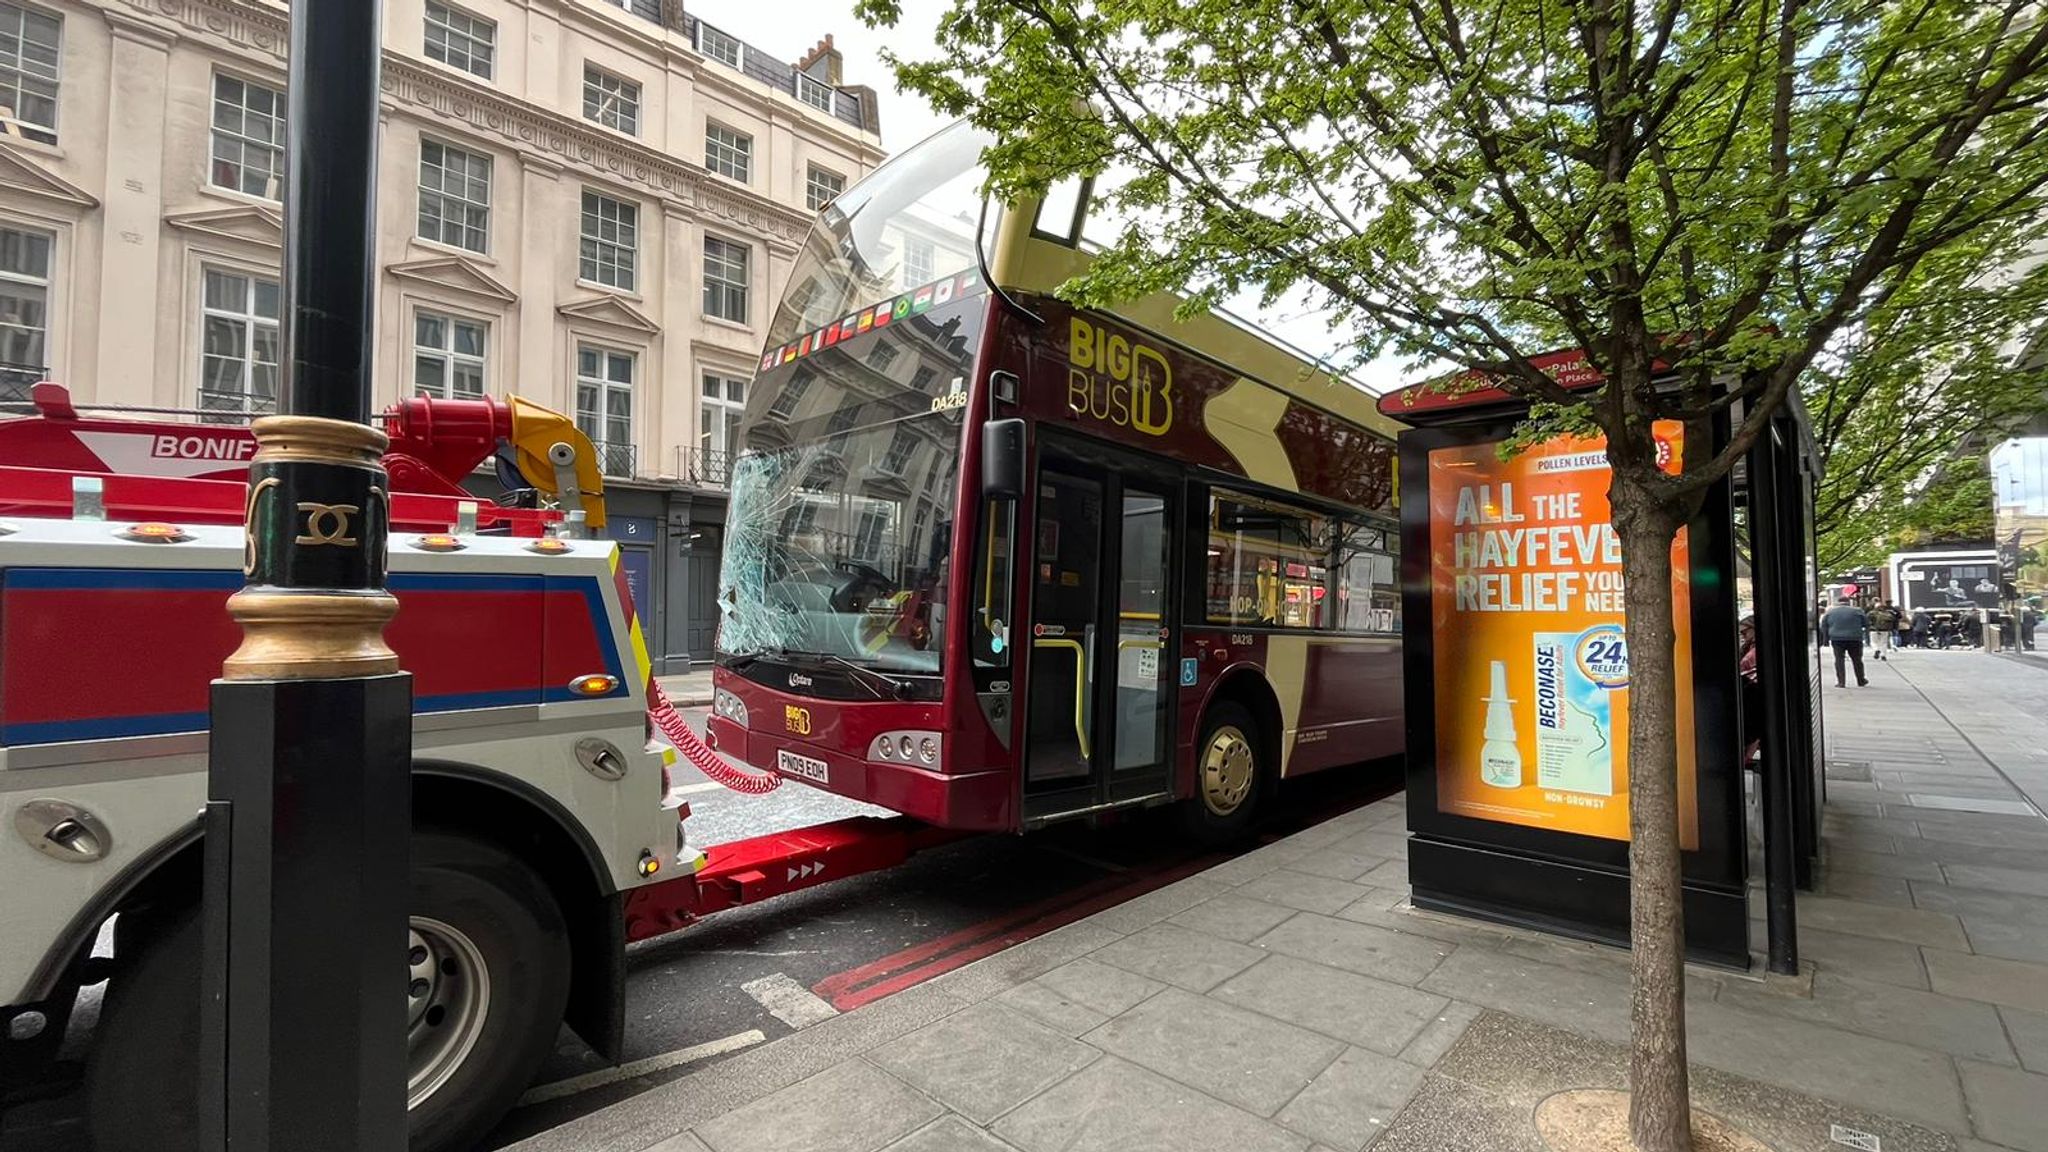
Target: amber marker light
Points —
{"points": [[549, 546], [155, 532], [438, 542], [595, 684]]}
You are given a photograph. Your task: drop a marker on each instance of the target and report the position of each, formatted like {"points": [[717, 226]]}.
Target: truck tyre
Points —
{"points": [[489, 945], [1231, 775]]}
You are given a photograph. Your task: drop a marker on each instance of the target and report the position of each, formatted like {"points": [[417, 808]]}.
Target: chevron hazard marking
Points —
{"points": [[806, 871]]}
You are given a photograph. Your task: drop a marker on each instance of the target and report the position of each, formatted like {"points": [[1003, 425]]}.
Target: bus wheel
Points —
{"points": [[1229, 775], [487, 980]]}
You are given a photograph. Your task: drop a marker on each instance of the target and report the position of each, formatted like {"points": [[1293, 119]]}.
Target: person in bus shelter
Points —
{"points": [[1752, 693], [1845, 626]]}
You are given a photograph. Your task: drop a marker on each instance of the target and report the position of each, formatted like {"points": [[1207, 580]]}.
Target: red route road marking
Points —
{"points": [[891, 974]]}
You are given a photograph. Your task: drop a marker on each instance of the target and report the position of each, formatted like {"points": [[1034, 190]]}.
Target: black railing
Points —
{"points": [[616, 459], [15, 382], [708, 467]]}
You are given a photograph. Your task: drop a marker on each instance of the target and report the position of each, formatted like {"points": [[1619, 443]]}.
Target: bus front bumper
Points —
{"points": [[964, 801]]}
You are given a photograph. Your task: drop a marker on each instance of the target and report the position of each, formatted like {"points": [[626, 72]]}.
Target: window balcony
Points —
{"points": [[617, 459], [704, 467]]}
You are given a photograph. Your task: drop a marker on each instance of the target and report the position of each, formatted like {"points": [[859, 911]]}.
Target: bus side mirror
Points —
{"points": [[1002, 459]]}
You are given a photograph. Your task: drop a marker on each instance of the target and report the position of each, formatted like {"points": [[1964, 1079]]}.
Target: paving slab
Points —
{"points": [[2022, 881], [1359, 1010], [1103, 987], [683, 1142], [2015, 983], [1991, 936], [2007, 1106], [1012, 966], [1301, 891], [1180, 957], [1884, 961], [1240, 1057], [1946, 1023], [1857, 918], [1234, 916], [1337, 863], [1116, 1106], [949, 1134], [1159, 904], [984, 1061], [2029, 1034], [1564, 997], [1882, 1076], [1060, 1013], [1367, 949], [1880, 863], [1439, 1034], [854, 1107], [1353, 1100]]}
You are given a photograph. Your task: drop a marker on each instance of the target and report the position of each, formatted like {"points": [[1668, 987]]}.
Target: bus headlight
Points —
{"points": [[903, 747], [928, 750], [729, 706]]}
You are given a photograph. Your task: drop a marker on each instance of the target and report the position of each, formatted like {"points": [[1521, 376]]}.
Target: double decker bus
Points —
{"points": [[994, 561]]}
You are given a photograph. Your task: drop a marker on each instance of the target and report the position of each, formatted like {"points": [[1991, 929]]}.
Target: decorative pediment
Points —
{"points": [[457, 273], [19, 174], [248, 223], [609, 309]]}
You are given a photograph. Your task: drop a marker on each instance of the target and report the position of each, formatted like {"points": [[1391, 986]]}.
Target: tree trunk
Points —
{"points": [[1660, 1117]]}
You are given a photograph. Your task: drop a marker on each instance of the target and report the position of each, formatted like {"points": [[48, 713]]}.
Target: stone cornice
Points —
{"points": [[411, 86]]}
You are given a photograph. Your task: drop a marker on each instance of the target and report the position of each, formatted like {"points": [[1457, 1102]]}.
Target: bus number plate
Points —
{"points": [[803, 766]]}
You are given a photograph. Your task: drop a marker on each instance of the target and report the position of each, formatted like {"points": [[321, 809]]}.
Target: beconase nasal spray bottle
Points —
{"points": [[1500, 758]]}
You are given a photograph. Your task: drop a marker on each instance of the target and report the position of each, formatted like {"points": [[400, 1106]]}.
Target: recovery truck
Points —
{"points": [[546, 835]]}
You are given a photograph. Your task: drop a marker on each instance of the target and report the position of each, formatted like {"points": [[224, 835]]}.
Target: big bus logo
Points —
{"points": [[797, 720], [1117, 379]]}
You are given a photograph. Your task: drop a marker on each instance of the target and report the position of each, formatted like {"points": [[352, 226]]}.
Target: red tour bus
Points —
{"points": [[992, 561]]}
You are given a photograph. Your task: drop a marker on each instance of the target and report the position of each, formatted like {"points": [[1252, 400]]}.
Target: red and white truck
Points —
{"points": [[546, 837]]}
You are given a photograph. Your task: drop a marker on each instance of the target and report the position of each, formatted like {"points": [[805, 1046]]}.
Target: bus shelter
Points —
{"points": [[1515, 665]]}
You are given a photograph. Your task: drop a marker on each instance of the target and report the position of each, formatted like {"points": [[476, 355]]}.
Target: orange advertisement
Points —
{"points": [[1528, 622]]}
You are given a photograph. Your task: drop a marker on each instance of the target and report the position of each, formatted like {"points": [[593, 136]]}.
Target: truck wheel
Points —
{"points": [[489, 977], [1230, 776]]}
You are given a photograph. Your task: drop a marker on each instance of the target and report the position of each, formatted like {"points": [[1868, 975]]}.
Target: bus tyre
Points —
{"points": [[487, 942], [1230, 775]]}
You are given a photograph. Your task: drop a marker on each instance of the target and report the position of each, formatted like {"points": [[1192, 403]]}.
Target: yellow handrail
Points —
{"points": [[1080, 686]]}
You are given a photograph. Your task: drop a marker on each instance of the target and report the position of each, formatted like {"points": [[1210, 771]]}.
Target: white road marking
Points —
{"points": [[789, 1001], [602, 1077], [693, 789]]}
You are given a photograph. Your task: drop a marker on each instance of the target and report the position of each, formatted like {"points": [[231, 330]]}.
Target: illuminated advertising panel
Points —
{"points": [[1531, 657]]}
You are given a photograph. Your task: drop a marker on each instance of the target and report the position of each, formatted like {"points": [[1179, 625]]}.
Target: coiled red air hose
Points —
{"points": [[677, 731]]}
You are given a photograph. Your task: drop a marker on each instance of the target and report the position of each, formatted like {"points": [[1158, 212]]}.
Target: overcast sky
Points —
{"points": [[788, 28]]}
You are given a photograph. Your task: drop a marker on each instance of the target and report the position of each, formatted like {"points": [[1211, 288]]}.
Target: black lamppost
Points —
{"points": [[309, 791]]}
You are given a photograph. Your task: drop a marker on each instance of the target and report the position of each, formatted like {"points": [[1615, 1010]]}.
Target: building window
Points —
{"points": [[24, 310], [729, 153], [725, 279], [1269, 563], [718, 422], [897, 458], [918, 261], [815, 93], [612, 101], [29, 52], [881, 355], [792, 394], [604, 405], [238, 345], [455, 196], [821, 187], [448, 356], [611, 240], [874, 525], [718, 46], [921, 380], [248, 137], [460, 40]]}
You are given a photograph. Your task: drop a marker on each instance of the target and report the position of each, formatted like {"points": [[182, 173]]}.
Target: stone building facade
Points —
{"points": [[589, 203]]}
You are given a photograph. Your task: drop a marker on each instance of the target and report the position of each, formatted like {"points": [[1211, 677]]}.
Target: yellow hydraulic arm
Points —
{"points": [[555, 456]]}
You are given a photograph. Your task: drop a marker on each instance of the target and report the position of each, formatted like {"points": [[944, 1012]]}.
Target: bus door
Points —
{"points": [[1099, 730]]}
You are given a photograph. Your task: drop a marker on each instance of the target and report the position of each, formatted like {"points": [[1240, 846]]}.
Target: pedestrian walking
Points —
{"points": [[1845, 625], [2030, 616], [1884, 623], [1923, 627]]}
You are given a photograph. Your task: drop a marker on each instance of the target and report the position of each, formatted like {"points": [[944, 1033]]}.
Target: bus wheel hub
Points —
{"points": [[447, 1000], [1226, 770]]}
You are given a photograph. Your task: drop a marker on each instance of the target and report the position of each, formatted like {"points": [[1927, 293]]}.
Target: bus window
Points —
{"points": [[1058, 211], [1268, 563], [1367, 597], [992, 582]]}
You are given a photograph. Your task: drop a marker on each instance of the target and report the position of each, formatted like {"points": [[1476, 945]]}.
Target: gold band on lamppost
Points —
{"points": [[317, 524]]}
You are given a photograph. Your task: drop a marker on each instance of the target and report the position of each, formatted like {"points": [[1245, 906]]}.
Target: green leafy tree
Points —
{"points": [[1475, 182], [1934, 375]]}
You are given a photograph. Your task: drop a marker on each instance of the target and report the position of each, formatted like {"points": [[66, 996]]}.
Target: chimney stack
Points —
{"points": [[823, 63]]}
